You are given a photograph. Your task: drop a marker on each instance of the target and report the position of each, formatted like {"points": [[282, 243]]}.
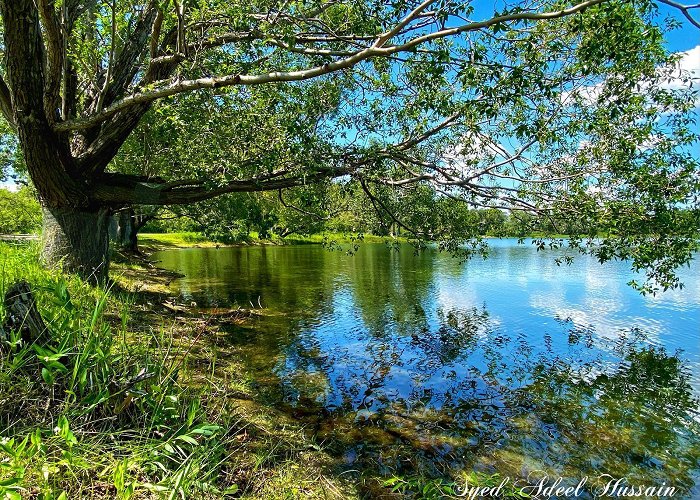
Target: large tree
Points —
{"points": [[550, 107]]}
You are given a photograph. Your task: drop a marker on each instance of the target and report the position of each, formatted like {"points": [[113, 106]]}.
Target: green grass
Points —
{"points": [[157, 241], [174, 240], [340, 238]]}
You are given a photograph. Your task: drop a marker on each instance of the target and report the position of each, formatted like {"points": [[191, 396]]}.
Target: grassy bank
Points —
{"points": [[92, 410], [174, 240], [161, 241], [126, 398]]}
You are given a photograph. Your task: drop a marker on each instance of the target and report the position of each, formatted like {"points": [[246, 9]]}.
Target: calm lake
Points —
{"points": [[404, 363]]}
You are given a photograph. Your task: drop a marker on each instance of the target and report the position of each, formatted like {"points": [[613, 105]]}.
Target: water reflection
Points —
{"points": [[406, 362]]}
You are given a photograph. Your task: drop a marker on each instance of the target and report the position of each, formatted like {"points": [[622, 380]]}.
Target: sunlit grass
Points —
{"points": [[157, 241], [176, 240]]}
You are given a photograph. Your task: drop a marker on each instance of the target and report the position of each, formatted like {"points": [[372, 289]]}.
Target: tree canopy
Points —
{"points": [[574, 112]]}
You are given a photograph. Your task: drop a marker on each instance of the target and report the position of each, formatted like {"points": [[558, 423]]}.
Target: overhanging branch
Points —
{"points": [[685, 10], [119, 190]]}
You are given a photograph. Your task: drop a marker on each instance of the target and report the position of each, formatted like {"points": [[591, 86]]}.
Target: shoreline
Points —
{"points": [[153, 242], [211, 365]]}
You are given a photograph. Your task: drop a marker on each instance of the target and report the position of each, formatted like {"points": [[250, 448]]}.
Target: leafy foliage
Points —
{"points": [[19, 212]]}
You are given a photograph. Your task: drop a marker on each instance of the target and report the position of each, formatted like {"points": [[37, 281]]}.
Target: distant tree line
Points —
{"points": [[233, 218]]}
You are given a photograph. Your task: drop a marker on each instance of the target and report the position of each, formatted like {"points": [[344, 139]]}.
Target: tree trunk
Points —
{"points": [[130, 240], [124, 227], [78, 240], [123, 230]]}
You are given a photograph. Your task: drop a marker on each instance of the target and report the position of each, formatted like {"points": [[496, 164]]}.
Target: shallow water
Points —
{"points": [[403, 363]]}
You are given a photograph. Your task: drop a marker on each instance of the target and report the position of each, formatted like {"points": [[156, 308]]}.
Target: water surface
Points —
{"points": [[421, 363]]}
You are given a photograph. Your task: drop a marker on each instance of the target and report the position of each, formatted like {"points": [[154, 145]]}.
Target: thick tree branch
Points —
{"points": [[181, 32], [118, 190], [134, 50], [24, 55], [110, 61], [54, 57], [47, 157], [71, 10], [76, 8], [102, 145], [155, 34]]}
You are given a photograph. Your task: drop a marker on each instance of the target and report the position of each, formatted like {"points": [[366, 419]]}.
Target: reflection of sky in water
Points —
{"points": [[529, 293], [370, 311]]}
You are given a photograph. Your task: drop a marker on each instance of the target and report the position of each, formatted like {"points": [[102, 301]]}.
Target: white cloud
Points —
{"points": [[684, 74], [9, 185], [689, 66]]}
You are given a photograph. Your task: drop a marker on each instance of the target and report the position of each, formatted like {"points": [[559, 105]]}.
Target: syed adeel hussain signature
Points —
{"points": [[603, 486]]}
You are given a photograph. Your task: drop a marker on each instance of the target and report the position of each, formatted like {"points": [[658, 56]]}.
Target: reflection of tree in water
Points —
{"points": [[450, 391], [390, 366], [388, 291], [287, 279], [391, 290], [637, 419], [458, 333]]}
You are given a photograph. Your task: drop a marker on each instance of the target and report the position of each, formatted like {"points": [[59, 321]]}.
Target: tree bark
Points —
{"points": [[75, 229], [123, 230], [77, 240]]}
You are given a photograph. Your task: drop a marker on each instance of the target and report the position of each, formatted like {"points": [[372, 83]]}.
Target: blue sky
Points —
{"points": [[686, 38]]}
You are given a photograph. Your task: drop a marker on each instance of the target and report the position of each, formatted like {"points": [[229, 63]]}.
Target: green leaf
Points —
{"points": [[187, 439], [231, 490], [47, 376]]}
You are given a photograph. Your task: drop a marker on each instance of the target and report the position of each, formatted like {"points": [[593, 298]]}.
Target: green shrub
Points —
{"points": [[20, 212]]}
